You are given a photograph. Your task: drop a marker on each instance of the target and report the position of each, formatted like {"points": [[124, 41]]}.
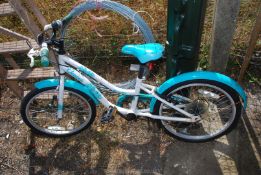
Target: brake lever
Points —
{"points": [[29, 44], [40, 38]]}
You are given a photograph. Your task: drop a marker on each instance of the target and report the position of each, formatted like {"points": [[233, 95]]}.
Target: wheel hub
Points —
{"points": [[197, 107]]}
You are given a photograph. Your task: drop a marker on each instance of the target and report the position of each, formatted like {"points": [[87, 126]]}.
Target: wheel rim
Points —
{"points": [[41, 112], [214, 105]]}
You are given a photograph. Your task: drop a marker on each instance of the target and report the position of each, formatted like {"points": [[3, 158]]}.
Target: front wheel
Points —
{"points": [[217, 104], [39, 112]]}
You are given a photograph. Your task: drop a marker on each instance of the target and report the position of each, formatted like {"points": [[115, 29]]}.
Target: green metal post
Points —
{"points": [[185, 23]]}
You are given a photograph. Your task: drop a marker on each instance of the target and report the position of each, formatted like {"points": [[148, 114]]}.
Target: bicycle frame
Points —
{"points": [[76, 70]]}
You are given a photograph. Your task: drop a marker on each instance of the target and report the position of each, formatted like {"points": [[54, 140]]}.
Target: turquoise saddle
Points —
{"points": [[144, 52]]}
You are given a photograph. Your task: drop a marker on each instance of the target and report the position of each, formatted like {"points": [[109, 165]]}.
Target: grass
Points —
{"points": [[85, 43], [245, 23]]}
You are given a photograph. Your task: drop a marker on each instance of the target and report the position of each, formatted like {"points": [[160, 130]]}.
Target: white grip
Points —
{"points": [[47, 27], [32, 61], [31, 54], [50, 26]]}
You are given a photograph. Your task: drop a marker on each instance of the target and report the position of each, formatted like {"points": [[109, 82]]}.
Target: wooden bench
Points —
{"points": [[6, 9], [22, 74], [10, 77], [16, 46]]}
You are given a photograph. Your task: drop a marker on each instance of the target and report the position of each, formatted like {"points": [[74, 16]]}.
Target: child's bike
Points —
{"points": [[196, 107]]}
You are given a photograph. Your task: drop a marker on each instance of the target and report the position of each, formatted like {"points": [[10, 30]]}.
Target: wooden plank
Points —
{"points": [[13, 85], [16, 46], [252, 43], [226, 13], [3, 72], [11, 61], [49, 95], [42, 21], [25, 16], [22, 74], [16, 35], [6, 9], [17, 90], [36, 12]]}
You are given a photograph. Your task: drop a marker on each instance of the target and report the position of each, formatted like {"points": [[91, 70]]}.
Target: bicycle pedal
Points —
{"points": [[107, 116]]}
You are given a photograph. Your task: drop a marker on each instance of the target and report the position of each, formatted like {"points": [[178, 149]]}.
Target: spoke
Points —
{"points": [[222, 103], [183, 98], [222, 97], [213, 105], [226, 108], [76, 113], [34, 111]]}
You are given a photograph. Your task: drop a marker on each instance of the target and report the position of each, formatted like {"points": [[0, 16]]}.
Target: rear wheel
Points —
{"points": [[39, 112], [217, 104]]}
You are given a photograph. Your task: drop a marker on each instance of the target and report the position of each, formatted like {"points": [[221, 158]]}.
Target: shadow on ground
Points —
{"points": [[233, 155], [91, 153], [74, 155]]}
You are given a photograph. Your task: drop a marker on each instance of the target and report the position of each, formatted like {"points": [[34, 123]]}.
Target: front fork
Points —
{"points": [[60, 105], [60, 97]]}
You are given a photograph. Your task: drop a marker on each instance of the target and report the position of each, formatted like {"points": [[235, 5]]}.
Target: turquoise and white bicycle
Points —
{"points": [[196, 107]]}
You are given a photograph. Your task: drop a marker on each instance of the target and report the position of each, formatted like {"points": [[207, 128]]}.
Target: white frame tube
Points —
{"points": [[65, 66], [95, 76]]}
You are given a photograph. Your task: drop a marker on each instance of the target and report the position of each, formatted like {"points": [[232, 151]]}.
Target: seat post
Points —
{"points": [[142, 71], [138, 87]]}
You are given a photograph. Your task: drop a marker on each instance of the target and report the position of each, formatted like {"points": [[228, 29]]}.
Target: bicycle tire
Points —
{"points": [[230, 126], [36, 92]]}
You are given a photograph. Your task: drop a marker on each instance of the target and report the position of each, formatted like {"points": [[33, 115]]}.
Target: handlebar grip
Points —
{"points": [[48, 27], [55, 25], [44, 54]]}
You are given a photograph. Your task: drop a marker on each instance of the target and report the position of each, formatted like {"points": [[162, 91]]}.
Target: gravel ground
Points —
{"points": [[121, 147]]}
